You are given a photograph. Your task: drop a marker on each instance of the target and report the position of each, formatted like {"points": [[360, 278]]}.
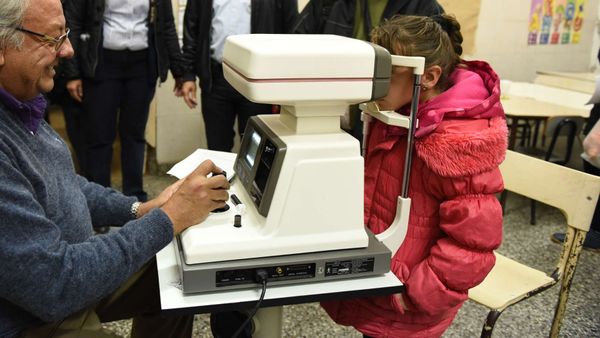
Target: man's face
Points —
{"points": [[29, 71]]}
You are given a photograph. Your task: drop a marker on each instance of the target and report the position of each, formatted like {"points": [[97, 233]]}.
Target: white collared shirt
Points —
{"points": [[126, 24], [230, 17]]}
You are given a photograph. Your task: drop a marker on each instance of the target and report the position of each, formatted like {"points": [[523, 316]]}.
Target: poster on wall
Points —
{"points": [[553, 22]]}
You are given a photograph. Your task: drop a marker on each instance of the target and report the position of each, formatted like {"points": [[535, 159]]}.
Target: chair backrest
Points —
{"points": [[573, 192], [555, 122], [570, 127]]}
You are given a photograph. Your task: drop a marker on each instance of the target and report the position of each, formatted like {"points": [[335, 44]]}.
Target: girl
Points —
{"points": [[455, 219]]}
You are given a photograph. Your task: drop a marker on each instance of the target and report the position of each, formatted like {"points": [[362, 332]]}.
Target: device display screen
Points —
{"points": [[250, 156], [259, 162]]}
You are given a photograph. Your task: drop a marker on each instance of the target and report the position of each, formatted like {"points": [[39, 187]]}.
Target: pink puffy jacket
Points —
{"points": [[455, 218]]}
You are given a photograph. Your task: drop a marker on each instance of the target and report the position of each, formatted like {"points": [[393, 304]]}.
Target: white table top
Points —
{"points": [[172, 298], [583, 76], [558, 96], [531, 100], [525, 107]]}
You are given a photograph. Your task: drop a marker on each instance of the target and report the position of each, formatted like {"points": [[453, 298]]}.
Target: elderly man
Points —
{"points": [[58, 279]]}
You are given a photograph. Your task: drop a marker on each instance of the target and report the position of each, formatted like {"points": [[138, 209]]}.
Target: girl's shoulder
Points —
{"points": [[460, 147]]}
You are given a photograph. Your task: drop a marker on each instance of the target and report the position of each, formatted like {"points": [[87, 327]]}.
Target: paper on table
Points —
{"points": [[222, 159], [596, 96]]}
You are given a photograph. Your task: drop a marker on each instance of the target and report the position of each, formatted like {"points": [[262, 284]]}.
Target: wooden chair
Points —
{"points": [[574, 193], [568, 128]]}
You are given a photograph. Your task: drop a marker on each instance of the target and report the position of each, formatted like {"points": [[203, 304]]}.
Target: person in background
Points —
{"points": [[356, 19], [121, 48], [74, 118], [207, 23], [59, 279], [591, 147], [455, 218]]}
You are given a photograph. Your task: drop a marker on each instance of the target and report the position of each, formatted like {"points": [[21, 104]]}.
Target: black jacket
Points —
{"points": [[267, 16], [85, 19], [337, 16]]}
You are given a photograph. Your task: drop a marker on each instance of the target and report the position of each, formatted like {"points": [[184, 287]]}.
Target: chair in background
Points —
{"points": [[557, 128], [574, 193], [523, 131]]}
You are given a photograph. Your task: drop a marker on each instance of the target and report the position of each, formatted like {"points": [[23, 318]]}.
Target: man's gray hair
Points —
{"points": [[12, 13]]}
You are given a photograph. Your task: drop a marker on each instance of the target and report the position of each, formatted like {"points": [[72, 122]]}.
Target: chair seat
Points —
{"points": [[507, 283]]}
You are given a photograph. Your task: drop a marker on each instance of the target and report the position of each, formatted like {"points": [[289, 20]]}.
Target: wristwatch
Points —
{"points": [[135, 206]]}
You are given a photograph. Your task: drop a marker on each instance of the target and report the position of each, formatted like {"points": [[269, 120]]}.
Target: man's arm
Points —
{"points": [[191, 23], [311, 20], [289, 15], [68, 268], [74, 14], [52, 263], [171, 39]]}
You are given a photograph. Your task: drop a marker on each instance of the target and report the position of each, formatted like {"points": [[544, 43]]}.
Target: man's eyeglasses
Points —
{"points": [[57, 43]]}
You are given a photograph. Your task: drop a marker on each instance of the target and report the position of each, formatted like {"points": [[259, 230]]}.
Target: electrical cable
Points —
{"points": [[261, 276]]}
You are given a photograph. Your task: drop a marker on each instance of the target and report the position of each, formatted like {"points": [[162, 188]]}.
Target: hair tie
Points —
{"points": [[444, 23]]}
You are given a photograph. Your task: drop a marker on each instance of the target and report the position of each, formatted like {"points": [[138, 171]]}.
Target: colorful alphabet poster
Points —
{"points": [[553, 22]]}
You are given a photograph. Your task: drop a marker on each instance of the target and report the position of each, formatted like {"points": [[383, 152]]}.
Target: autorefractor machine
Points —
{"points": [[296, 207]]}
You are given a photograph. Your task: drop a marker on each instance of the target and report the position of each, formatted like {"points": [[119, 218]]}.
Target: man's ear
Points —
{"points": [[1, 57], [431, 76]]}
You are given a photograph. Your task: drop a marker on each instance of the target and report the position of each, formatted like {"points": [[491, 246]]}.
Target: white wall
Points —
{"points": [[501, 39], [179, 130]]}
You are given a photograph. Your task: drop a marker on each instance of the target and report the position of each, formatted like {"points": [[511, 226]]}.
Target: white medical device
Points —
{"points": [[299, 176]]}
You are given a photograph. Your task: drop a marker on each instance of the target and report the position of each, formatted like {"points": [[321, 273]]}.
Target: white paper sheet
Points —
{"points": [[222, 159]]}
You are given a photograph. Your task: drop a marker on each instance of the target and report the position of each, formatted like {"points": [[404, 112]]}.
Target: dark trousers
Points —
{"points": [[75, 124], [221, 106], [138, 298], [118, 97], [74, 120]]}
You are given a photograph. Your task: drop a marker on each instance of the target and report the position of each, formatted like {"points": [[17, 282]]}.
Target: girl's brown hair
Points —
{"points": [[436, 38]]}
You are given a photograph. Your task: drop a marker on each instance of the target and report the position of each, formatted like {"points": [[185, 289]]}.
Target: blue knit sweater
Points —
{"points": [[51, 264]]}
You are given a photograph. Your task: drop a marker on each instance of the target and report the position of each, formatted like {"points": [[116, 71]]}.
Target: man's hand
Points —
{"points": [[177, 87], [161, 199], [591, 143], [188, 91], [197, 196], [75, 88]]}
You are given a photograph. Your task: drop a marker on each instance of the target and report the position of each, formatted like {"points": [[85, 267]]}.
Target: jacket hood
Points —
{"points": [[474, 94]]}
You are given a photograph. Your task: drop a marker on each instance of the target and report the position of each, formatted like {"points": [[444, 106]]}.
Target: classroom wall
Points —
{"points": [[501, 39]]}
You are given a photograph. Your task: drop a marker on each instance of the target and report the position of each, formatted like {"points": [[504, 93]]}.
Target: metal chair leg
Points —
{"points": [[567, 277], [490, 321]]}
